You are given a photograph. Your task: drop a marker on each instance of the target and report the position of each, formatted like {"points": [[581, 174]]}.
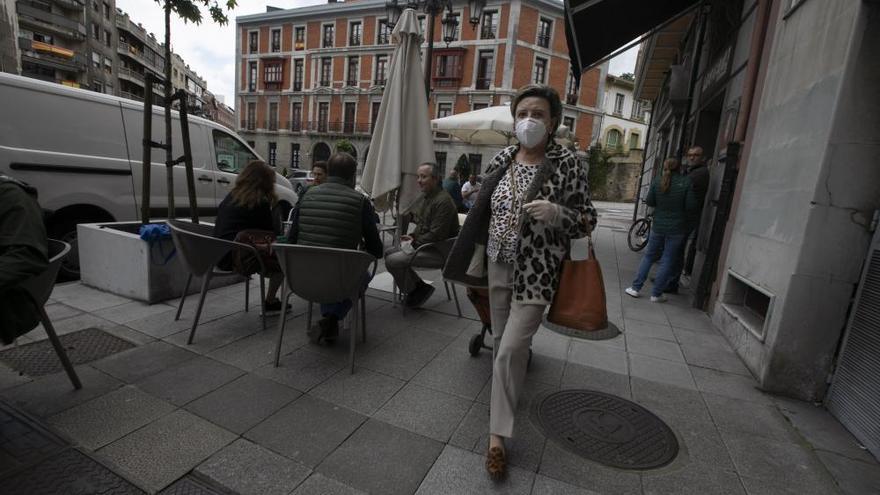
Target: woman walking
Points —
{"points": [[533, 201], [673, 199]]}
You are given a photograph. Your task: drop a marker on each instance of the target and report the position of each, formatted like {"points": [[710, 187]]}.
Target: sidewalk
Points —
{"points": [[217, 417]]}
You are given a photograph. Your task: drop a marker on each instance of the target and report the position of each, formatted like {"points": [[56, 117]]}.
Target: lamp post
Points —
{"points": [[433, 8]]}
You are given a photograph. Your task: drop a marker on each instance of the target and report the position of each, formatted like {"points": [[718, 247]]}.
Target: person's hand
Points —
{"points": [[542, 210]]}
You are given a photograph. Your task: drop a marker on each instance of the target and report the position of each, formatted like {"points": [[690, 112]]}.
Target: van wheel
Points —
{"points": [[66, 231]]}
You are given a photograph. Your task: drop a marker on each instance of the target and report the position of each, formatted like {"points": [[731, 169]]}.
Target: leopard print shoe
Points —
{"points": [[496, 463]]}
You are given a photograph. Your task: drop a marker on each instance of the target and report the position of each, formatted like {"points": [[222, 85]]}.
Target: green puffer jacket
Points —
{"points": [[673, 208]]}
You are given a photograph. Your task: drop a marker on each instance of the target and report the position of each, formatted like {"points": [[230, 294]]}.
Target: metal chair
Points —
{"points": [[323, 275], [40, 288], [201, 252], [442, 247]]}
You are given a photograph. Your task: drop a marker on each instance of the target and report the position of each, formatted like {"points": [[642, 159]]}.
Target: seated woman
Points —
{"points": [[248, 206]]}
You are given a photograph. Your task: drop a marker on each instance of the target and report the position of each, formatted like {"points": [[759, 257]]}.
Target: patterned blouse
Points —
{"points": [[503, 223]]}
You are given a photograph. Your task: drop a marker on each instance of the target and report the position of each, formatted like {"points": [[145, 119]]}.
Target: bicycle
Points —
{"points": [[637, 238]]}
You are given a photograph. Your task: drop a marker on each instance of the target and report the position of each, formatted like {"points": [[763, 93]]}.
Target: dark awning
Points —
{"points": [[596, 29]]}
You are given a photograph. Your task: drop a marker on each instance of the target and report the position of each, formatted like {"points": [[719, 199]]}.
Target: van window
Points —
{"points": [[232, 156]]}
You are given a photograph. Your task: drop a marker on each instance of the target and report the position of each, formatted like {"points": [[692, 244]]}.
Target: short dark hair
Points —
{"points": [[435, 170], [341, 165], [540, 91], [320, 164]]}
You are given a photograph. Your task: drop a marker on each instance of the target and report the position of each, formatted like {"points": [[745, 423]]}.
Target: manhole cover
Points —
{"points": [[84, 346], [68, 473], [606, 429]]}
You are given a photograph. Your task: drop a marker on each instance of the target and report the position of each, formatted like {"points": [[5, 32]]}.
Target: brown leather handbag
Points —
{"points": [[579, 303]]}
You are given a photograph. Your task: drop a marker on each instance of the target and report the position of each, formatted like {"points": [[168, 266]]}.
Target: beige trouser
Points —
{"points": [[513, 325]]}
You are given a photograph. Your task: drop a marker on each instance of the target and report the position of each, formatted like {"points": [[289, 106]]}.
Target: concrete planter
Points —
{"points": [[113, 258]]}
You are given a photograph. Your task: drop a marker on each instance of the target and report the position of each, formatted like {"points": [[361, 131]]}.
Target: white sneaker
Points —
{"points": [[632, 292], [658, 299]]}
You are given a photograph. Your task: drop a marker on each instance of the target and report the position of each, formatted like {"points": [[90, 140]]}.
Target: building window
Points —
{"points": [[253, 41], [545, 29], [443, 110], [354, 34], [272, 76], [383, 33], [540, 70], [326, 64], [273, 153], [108, 65], [485, 69], [108, 38], [296, 112], [457, 32], [298, 70], [479, 106], [252, 76], [568, 122], [381, 67], [323, 116], [348, 117], [252, 144], [489, 26], [353, 66], [637, 113], [294, 155], [96, 31], [618, 103], [447, 69], [299, 38], [44, 38], [273, 116], [276, 40], [327, 38], [374, 114], [440, 157], [634, 141], [251, 117], [96, 60], [421, 20], [613, 140], [571, 90], [476, 161], [106, 10], [97, 87]]}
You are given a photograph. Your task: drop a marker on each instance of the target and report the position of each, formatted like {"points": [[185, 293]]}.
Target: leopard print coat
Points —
{"points": [[542, 248]]}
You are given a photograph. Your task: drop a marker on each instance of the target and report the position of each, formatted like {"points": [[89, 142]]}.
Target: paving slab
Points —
{"points": [[660, 370], [424, 411], [546, 369], [656, 348], [703, 339], [54, 393], [215, 334], [318, 484], [85, 298], [11, 378], [190, 380], [689, 319], [587, 377], [143, 361], [166, 449], [248, 469], [302, 369], [734, 415], [405, 354], [130, 311], [774, 461], [546, 343], [586, 353], [381, 458], [60, 311], [363, 391], [70, 325], [472, 429], [854, 477], [645, 329], [69, 472], [754, 486], [822, 430], [454, 371], [257, 350], [306, 430], [243, 403], [549, 486], [714, 358], [463, 473], [110, 417], [729, 385], [563, 465], [649, 314], [161, 325]]}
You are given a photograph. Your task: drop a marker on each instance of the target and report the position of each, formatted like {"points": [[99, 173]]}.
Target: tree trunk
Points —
{"points": [[169, 155]]}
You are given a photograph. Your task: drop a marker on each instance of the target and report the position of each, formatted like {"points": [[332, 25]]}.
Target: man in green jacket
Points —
{"points": [[24, 253], [436, 219]]}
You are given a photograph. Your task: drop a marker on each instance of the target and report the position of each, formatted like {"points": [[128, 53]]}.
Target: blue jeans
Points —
{"points": [[670, 245], [341, 308]]}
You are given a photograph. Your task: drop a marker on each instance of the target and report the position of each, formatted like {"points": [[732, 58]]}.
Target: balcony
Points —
{"points": [[250, 124], [544, 40], [132, 52], [297, 86], [132, 96], [488, 33], [379, 82], [354, 40], [299, 45], [571, 99], [76, 5], [130, 75], [56, 24], [483, 83], [338, 127], [272, 125], [327, 42], [324, 83], [294, 125], [383, 38], [352, 83], [52, 56]]}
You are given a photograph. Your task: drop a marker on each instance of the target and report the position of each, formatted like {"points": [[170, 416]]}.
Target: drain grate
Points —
{"points": [[606, 429], [68, 473], [84, 346]]}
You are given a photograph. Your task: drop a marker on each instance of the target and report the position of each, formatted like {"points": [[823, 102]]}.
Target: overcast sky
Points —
{"points": [[209, 49]]}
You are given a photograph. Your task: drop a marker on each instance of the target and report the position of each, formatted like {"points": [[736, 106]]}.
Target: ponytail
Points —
{"points": [[670, 165]]}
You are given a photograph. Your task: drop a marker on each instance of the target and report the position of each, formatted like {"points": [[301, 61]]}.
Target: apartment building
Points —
{"points": [[309, 77]]}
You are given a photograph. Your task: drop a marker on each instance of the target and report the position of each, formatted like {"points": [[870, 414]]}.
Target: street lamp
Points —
{"points": [[433, 8]]}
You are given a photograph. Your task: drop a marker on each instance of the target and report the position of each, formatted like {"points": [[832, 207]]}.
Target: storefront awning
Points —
{"points": [[597, 29]]}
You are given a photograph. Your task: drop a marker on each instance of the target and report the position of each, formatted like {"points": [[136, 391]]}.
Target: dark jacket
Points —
{"points": [[436, 218], [24, 253], [560, 180], [453, 188], [673, 209], [699, 176], [333, 214], [233, 218]]}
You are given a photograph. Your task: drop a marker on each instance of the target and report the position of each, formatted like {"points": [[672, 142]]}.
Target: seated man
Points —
{"points": [[436, 219], [334, 215], [24, 253]]}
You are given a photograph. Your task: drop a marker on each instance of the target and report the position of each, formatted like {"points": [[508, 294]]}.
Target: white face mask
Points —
{"points": [[530, 132]]}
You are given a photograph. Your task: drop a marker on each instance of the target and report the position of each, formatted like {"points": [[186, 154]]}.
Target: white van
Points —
{"points": [[82, 151]]}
